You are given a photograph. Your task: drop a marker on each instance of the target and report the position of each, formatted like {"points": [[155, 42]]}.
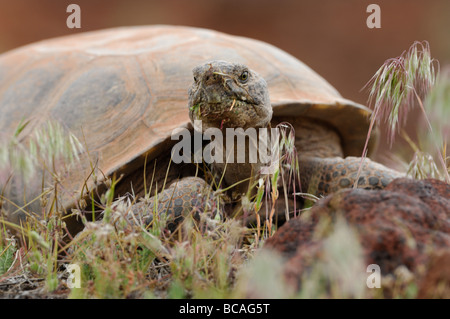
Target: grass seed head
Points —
{"points": [[399, 82]]}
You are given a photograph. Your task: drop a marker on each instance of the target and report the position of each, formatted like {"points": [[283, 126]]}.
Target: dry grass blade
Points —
{"points": [[43, 147]]}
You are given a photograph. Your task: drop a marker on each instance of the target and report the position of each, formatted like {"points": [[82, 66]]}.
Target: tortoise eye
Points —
{"points": [[195, 79], [244, 76]]}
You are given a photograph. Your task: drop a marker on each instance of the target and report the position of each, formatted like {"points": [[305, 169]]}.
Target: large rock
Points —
{"points": [[405, 225]]}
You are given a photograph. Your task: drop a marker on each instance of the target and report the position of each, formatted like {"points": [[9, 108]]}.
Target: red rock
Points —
{"points": [[399, 225], [436, 282]]}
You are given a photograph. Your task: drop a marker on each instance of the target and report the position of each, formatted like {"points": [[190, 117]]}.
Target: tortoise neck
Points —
{"points": [[314, 138], [241, 156]]}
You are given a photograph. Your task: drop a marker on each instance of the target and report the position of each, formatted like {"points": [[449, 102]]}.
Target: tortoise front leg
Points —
{"points": [[189, 195], [322, 176]]}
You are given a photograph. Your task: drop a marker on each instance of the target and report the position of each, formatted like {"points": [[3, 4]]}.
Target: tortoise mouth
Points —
{"points": [[226, 111], [229, 113]]}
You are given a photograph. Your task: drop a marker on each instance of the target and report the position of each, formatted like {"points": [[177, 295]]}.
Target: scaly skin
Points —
{"points": [[322, 176], [189, 195]]}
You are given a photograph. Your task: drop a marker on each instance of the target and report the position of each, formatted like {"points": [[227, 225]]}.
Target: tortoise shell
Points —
{"points": [[123, 91]]}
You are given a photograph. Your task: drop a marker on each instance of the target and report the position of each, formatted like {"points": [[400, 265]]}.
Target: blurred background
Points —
{"points": [[330, 36]]}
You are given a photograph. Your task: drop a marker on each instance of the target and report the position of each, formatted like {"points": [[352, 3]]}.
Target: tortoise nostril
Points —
{"points": [[211, 79]]}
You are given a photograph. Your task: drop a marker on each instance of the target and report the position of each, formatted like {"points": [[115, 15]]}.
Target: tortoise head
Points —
{"points": [[229, 95]]}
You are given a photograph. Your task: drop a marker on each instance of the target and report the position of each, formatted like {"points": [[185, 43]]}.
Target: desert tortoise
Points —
{"points": [[123, 91]]}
